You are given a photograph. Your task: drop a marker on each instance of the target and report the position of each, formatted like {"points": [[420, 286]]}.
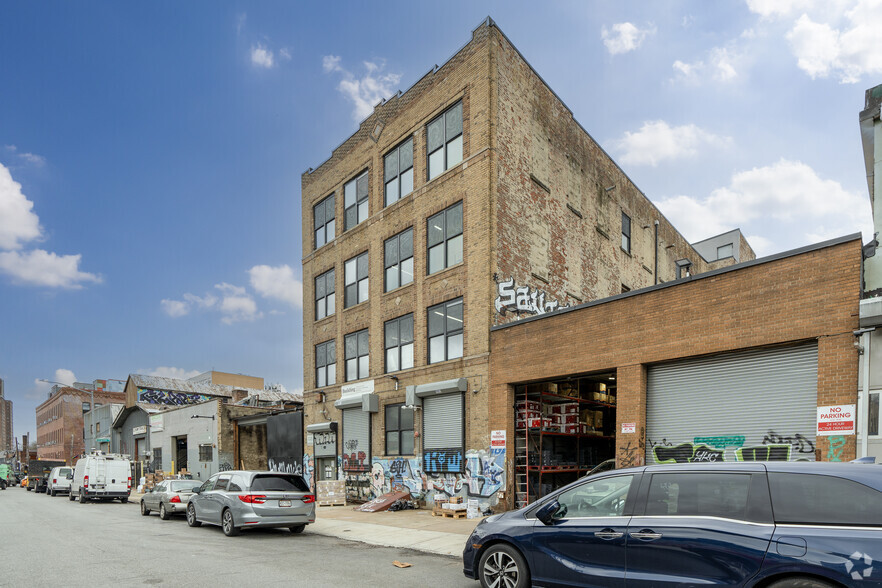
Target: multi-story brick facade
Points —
{"points": [[478, 191], [6, 435], [60, 433], [780, 304]]}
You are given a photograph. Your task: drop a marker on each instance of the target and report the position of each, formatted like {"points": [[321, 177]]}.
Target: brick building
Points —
{"points": [[731, 365], [7, 442], [60, 432], [470, 200]]}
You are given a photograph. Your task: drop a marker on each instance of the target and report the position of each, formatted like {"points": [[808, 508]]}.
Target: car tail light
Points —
{"points": [[54, 480], [129, 483], [252, 498], [308, 498], [85, 481], [176, 499]]}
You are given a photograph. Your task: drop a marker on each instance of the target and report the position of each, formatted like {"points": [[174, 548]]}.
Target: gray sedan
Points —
{"points": [[241, 499], [169, 497]]}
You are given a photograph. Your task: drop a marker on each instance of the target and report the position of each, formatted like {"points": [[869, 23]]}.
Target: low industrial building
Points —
{"points": [[753, 362]]}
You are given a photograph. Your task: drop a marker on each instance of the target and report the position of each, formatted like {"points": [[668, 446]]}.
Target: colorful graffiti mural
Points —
{"points": [[774, 447], [149, 396]]}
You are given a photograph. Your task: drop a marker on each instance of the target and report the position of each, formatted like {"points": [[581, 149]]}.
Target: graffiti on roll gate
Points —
{"points": [[774, 446], [481, 475]]}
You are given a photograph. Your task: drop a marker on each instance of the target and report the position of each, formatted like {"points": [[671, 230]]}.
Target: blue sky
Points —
{"points": [[150, 156]]}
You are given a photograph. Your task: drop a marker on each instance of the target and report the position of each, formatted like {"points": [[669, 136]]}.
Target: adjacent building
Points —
{"points": [[7, 438], [471, 200], [97, 427], [60, 430]]}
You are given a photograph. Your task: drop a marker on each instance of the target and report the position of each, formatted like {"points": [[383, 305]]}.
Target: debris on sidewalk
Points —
{"points": [[399, 564], [383, 502]]}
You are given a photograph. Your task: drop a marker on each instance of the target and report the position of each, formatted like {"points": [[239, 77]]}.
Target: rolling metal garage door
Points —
{"points": [[754, 405], [443, 433], [356, 440]]}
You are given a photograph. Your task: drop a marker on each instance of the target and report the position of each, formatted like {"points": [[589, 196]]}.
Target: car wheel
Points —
{"points": [[191, 516], [163, 514], [297, 528], [502, 566], [799, 582], [124, 499], [71, 497], [144, 510], [230, 530], [82, 497]]}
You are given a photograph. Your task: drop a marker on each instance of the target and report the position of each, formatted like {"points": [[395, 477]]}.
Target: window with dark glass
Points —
{"points": [[699, 494], [626, 232], [873, 416], [445, 331], [325, 364], [398, 172], [398, 260], [323, 216], [205, 454], [357, 355], [444, 140], [325, 297], [356, 280], [807, 499], [399, 430], [444, 238], [355, 201], [399, 343]]}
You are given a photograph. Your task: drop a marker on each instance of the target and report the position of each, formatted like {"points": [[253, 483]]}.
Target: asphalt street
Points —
{"points": [[50, 540]]}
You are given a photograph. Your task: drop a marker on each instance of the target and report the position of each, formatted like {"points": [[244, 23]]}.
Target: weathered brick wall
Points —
{"points": [[797, 298]]}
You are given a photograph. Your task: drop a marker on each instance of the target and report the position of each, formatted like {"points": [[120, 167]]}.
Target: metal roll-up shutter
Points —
{"points": [[356, 440], [753, 405], [443, 433]]}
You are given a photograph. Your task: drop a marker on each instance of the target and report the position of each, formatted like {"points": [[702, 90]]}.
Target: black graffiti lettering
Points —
{"points": [[799, 443], [629, 455], [780, 452], [680, 454]]}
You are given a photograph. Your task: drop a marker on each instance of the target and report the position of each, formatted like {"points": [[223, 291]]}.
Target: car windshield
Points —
{"points": [[185, 486], [64, 472], [279, 483]]}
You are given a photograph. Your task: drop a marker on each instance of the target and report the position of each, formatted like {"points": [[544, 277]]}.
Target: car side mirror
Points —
{"points": [[546, 512]]}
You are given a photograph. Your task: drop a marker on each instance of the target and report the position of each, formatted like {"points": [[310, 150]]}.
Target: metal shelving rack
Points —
{"points": [[530, 471]]}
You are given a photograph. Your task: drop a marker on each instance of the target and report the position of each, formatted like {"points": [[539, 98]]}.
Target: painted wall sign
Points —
{"points": [[512, 297], [836, 420], [357, 388], [156, 423], [139, 430], [629, 427], [497, 439]]}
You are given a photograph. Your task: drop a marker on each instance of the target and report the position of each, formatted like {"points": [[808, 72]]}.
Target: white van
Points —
{"points": [[59, 481], [102, 475]]}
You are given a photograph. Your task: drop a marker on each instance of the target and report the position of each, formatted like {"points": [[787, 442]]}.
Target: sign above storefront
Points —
{"points": [[836, 420], [139, 430], [357, 388]]}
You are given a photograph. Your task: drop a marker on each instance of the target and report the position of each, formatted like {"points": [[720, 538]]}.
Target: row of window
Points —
{"points": [[443, 151], [445, 341], [444, 240]]}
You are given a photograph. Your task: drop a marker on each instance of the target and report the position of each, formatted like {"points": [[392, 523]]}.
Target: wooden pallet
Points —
{"points": [[340, 502], [450, 514]]}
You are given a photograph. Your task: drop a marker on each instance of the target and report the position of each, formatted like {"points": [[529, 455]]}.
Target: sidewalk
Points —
{"points": [[406, 529]]}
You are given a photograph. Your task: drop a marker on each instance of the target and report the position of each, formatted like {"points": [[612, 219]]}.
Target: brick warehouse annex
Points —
{"points": [[466, 203]]}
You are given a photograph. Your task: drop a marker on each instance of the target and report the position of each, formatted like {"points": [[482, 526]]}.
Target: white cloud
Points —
{"points": [[657, 141], [624, 37], [170, 372], [175, 308], [18, 222], [234, 304], [277, 282], [787, 199], [32, 158], [364, 92], [777, 8], [41, 389], [722, 64], [285, 53], [241, 19], [43, 268], [261, 56]]}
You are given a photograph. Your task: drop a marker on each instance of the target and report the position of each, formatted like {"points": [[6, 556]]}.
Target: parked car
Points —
{"points": [[169, 497], [105, 476], [244, 499], [774, 524], [59, 481]]}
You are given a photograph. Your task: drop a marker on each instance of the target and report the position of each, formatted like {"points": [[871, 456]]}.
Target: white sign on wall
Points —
{"points": [[357, 388], [629, 427], [156, 423], [497, 439], [836, 420], [139, 430]]}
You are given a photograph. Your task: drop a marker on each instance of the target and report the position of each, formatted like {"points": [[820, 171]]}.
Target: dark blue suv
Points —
{"points": [[769, 525]]}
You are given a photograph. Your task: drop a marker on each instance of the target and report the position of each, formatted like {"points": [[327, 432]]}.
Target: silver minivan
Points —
{"points": [[238, 500]]}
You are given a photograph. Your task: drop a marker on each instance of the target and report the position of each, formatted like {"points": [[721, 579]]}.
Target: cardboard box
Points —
{"points": [[527, 405]]}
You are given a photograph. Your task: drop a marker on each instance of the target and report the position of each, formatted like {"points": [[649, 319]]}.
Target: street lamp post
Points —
{"points": [[91, 406]]}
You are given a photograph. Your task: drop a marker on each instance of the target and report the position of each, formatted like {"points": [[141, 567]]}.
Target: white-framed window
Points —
{"points": [[323, 221], [357, 355], [445, 331], [444, 238], [444, 141], [325, 364], [355, 200], [398, 172], [325, 297], [356, 280], [399, 343], [398, 260]]}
